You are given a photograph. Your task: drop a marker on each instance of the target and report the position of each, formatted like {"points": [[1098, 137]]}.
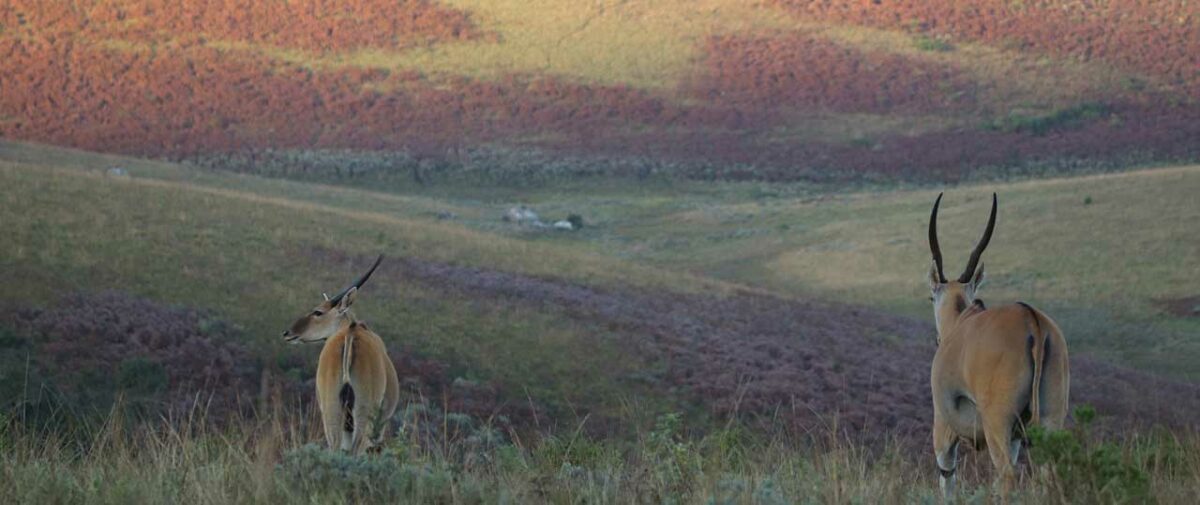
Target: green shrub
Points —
{"points": [[362, 478], [676, 464], [734, 489], [932, 44], [1084, 470], [141, 377], [10, 340], [1040, 124]]}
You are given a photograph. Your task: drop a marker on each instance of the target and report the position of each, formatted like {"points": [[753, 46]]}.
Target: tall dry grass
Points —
{"points": [[273, 459]]}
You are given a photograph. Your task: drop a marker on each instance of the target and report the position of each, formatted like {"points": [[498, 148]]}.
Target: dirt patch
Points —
{"points": [[807, 363], [1188, 306]]}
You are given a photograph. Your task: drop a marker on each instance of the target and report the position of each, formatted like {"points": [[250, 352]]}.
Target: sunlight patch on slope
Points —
{"points": [[1008, 77], [658, 45], [1100, 240], [643, 44]]}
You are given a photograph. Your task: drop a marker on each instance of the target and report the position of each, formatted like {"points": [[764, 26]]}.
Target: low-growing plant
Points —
{"points": [[323, 471], [674, 458], [933, 44], [1040, 124], [1080, 468], [141, 377]]}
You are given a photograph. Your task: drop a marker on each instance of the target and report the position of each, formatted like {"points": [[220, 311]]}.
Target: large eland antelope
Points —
{"points": [[357, 388], [997, 369]]}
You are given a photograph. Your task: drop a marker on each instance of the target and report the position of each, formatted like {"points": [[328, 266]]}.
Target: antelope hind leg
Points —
{"points": [[945, 450], [999, 435]]}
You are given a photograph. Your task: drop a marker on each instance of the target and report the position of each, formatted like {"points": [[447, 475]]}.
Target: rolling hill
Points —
{"points": [[720, 89], [554, 331], [742, 317]]}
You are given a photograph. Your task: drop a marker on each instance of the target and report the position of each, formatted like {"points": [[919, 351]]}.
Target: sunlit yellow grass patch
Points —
{"points": [[1120, 239], [642, 44]]}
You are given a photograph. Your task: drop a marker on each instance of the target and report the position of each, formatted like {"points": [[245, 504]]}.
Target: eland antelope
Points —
{"points": [[357, 387], [997, 370]]}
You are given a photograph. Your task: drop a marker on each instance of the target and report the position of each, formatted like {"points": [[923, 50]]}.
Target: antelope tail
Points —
{"points": [[1038, 342], [347, 356]]}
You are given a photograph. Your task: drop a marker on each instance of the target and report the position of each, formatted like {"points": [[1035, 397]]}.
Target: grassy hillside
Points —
{"points": [[743, 317], [1094, 251], [712, 89], [1102, 253], [706, 300], [256, 260]]}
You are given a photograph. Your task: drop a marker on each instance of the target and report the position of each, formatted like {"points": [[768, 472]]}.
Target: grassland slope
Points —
{"points": [[728, 90], [574, 331]]}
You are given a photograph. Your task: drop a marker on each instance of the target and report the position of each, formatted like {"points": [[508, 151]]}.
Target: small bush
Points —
{"points": [[932, 44], [141, 377], [675, 463], [1041, 124], [10, 340], [371, 478], [1084, 470]]}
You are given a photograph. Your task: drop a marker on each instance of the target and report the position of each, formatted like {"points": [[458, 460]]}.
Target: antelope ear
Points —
{"points": [[934, 280], [977, 279], [347, 299]]}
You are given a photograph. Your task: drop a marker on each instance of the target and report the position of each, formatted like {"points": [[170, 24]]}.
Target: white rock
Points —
{"points": [[522, 214]]}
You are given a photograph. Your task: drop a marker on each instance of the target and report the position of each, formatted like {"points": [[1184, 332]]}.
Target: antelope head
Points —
{"points": [[951, 298], [328, 317]]}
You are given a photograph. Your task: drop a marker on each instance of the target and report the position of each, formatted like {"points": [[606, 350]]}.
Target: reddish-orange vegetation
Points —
{"points": [[787, 72], [185, 97], [315, 25], [196, 99], [1159, 37]]}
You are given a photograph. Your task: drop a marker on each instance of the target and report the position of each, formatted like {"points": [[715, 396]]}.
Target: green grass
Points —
{"points": [[651, 46], [1098, 252], [1095, 251], [932, 44], [242, 255], [1097, 267], [268, 461], [1040, 124]]}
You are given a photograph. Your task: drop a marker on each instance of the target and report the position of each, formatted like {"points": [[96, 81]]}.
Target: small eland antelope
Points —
{"points": [[997, 370], [357, 387]]}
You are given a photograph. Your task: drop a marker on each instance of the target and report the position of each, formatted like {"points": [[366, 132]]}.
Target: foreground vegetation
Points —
{"points": [[272, 459]]}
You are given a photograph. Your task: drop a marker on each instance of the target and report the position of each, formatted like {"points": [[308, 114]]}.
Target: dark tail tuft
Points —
{"points": [[346, 395]]}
